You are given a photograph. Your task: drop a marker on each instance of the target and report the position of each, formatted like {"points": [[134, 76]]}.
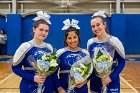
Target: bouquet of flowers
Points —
{"points": [[80, 71], [102, 62], [44, 64]]}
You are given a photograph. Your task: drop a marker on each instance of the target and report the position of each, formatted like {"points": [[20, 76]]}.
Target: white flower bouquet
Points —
{"points": [[80, 71], [44, 64], [102, 62]]}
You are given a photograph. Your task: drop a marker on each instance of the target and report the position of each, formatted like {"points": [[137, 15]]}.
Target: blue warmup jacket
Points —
{"points": [[67, 57], [22, 67], [115, 48]]}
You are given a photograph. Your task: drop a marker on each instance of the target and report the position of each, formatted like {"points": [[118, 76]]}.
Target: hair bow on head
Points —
{"points": [[100, 13], [41, 15], [73, 23]]}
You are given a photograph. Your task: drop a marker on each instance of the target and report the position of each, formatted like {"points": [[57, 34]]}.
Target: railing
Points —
{"points": [[113, 6]]}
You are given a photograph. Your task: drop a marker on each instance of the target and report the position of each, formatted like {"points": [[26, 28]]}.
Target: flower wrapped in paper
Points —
{"points": [[44, 64], [80, 71], [102, 62]]}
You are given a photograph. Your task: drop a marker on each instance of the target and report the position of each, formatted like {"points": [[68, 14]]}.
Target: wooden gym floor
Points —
{"points": [[130, 78]]}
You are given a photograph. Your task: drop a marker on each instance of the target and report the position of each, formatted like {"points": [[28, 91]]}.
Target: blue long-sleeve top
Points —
{"points": [[115, 48], [67, 57], [23, 68]]}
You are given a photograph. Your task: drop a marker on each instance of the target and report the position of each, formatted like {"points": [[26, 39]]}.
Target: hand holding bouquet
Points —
{"points": [[44, 64], [102, 62], [80, 71]]}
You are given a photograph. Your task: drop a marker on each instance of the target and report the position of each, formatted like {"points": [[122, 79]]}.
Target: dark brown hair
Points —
{"points": [[71, 29], [38, 22]]}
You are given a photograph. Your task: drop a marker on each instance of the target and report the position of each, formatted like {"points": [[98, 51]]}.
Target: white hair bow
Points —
{"points": [[100, 13], [73, 23], [41, 15]]}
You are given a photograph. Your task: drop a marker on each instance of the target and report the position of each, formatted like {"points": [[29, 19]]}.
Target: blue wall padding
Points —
{"points": [[124, 26], [2, 22], [127, 28], [27, 25], [118, 27], [14, 29], [108, 21], [132, 33], [56, 35]]}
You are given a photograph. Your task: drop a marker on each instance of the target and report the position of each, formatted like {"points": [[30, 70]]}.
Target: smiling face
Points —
{"points": [[41, 32], [98, 26], [72, 40]]}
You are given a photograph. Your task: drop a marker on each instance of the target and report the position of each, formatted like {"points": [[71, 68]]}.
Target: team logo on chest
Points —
{"points": [[72, 58]]}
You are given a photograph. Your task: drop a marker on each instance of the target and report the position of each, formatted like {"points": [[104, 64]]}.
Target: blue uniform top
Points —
{"points": [[22, 67], [67, 57], [115, 48]]}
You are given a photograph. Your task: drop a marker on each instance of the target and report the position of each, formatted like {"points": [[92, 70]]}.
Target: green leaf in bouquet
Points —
{"points": [[52, 68], [52, 56], [99, 54], [87, 67], [48, 73], [84, 71], [53, 53], [79, 70]]}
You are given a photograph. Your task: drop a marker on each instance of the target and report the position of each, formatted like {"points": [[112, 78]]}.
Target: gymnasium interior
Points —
{"points": [[123, 21]]}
